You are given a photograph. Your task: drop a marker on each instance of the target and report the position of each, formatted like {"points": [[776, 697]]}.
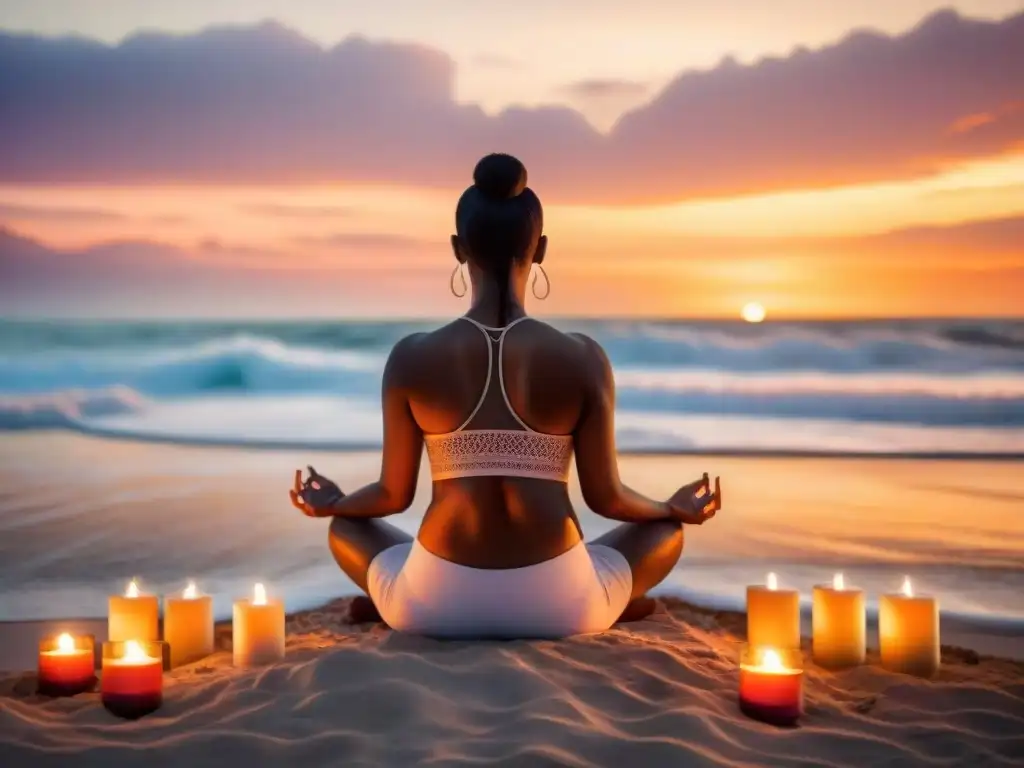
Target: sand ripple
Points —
{"points": [[656, 693]]}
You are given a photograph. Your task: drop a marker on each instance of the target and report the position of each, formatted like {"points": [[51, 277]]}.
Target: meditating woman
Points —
{"points": [[501, 402]]}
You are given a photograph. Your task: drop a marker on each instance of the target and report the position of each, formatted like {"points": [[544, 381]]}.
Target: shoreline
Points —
{"points": [[371, 447], [90, 513]]}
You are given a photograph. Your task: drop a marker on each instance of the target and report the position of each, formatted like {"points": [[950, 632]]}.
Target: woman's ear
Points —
{"points": [[460, 255], [541, 251]]}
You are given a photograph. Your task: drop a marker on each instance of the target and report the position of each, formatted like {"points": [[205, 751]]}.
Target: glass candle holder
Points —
{"points": [[772, 684], [67, 664], [132, 684]]}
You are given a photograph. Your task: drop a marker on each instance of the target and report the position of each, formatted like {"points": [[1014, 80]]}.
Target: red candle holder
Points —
{"points": [[67, 665], [771, 684], [132, 684]]}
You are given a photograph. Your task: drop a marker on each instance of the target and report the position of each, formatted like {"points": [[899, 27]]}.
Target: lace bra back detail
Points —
{"points": [[498, 452]]}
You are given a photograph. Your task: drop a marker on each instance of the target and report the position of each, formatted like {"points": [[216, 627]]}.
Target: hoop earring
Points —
{"points": [[547, 283], [451, 282]]}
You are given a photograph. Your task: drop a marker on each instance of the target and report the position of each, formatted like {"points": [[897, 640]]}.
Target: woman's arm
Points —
{"points": [[597, 458], [403, 449]]}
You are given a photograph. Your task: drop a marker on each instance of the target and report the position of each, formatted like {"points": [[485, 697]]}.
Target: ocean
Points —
{"points": [[211, 419], [881, 387]]}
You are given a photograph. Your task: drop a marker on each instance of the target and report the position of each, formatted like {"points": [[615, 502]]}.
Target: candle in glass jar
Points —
{"points": [[908, 632], [67, 665], [773, 615], [133, 616], [188, 626], [258, 630], [132, 684], [839, 625], [771, 685]]}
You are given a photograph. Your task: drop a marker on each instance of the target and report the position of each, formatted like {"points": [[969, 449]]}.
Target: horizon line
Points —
{"points": [[399, 319]]}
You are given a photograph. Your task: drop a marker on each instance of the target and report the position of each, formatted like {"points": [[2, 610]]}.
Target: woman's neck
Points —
{"points": [[486, 303]]}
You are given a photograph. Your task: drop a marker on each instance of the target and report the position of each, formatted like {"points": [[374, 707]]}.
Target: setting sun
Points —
{"points": [[753, 312]]}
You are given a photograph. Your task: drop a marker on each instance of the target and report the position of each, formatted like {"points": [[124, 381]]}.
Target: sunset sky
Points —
{"points": [[223, 158]]}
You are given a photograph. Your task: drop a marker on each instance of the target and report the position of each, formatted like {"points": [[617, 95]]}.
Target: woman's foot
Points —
{"points": [[362, 610], [637, 609]]}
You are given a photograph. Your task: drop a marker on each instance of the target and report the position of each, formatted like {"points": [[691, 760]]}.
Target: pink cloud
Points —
{"points": [[263, 104]]}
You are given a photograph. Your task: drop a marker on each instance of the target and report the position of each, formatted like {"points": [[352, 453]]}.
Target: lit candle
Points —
{"points": [[771, 685], [908, 632], [188, 625], [839, 625], [258, 630], [773, 615], [133, 616], [132, 684], [67, 665]]}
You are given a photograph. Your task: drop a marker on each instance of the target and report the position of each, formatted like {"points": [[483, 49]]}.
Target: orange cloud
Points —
{"points": [[970, 122], [963, 270], [1004, 113]]}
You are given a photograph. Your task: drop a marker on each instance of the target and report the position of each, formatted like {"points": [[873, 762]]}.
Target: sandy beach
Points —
{"points": [[660, 692], [80, 515]]}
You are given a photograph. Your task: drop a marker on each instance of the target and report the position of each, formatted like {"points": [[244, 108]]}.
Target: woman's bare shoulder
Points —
{"points": [[592, 354], [423, 348], [404, 357], [573, 353]]}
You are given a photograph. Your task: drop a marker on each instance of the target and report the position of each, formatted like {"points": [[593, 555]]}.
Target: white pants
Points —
{"points": [[582, 590]]}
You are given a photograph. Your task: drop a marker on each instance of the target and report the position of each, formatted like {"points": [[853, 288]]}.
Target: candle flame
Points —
{"points": [[908, 590], [133, 589], [190, 592], [838, 583], [773, 582], [771, 661], [65, 643], [133, 651], [259, 595]]}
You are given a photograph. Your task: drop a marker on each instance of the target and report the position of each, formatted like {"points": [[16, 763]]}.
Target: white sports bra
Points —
{"points": [[498, 452]]}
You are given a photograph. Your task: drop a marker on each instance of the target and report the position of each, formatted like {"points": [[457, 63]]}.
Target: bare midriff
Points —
{"points": [[499, 522]]}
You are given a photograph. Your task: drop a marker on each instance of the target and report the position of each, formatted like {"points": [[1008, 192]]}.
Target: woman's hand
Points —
{"points": [[316, 495], [695, 504]]}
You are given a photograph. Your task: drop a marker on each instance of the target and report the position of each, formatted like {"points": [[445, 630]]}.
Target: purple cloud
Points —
{"points": [[263, 104], [142, 278]]}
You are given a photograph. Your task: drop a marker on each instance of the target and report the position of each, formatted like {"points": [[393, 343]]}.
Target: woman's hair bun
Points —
{"points": [[500, 177]]}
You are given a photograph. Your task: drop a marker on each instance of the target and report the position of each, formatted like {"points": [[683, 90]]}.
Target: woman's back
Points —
{"points": [[501, 411], [497, 520]]}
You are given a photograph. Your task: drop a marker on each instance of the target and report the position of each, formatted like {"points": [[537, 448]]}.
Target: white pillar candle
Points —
{"points": [[133, 616], [258, 630], [908, 632], [188, 626], [839, 625], [773, 616]]}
